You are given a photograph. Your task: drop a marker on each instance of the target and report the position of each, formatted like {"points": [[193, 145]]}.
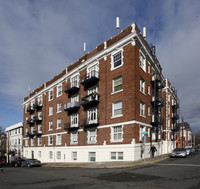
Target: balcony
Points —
{"points": [[175, 106], [37, 106], [175, 117], [30, 122], [37, 133], [157, 81], [69, 127], [72, 107], [157, 101], [157, 120], [31, 134], [72, 89], [37, 119], [30, 109], [90, 101], [89, 123], [90, 80]]}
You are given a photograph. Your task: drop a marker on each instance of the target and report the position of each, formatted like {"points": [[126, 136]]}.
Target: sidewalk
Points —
{"points": [[113, 164]]}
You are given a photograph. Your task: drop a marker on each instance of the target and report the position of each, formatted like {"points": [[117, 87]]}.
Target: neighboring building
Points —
{"points": [[2, 144], [101, 108], [14, 141], [171, 115], [184, 135]]}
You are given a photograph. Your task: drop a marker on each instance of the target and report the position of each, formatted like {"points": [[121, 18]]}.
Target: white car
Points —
{"points": [[179, 152]]}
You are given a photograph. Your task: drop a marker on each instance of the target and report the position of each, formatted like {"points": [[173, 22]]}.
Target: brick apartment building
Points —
{"points": [[107, 106]]}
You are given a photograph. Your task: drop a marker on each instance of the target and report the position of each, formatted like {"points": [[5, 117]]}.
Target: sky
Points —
{"points": [[40, 38]]}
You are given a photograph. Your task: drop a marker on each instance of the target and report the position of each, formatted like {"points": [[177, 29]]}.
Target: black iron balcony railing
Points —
{"points": [[90, 101], [157, 120], [37, 106], [175, 106], [70, 127], [30, 109], [72, 107], [30, 122], [89, 123], [37, 133], [157, 101], [37, 119], [157, 81], [175, 117], [90, 80], [72, 89], [31, 134]]}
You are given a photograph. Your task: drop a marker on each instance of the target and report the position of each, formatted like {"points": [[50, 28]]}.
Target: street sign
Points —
{"points": [[145, 133]]}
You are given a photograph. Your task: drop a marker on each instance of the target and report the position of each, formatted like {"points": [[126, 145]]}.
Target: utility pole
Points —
{"points": [[182, 129]]}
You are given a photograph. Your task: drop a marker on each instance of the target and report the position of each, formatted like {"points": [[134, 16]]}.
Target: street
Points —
{"points": [[171, 173]]}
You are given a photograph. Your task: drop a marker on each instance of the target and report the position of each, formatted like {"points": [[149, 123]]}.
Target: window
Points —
{"points": [[58, 154], [117, 134], [74, 98], [50, 155], [149, 90], [117, 60], [117, 155], [117, 109], [142, 85], [51, 95], [92, 116], [74, 155], [26, 142], [92, 136], [40, 100], [50, 140], [19, 141], [39, 154], [40, 115], [32, 142], [59, 90], [50, 110], [19, 130], [142, 109], [50, 125], [26, 108], [92, 156], [93, 92], [142, 61], [15, 131], [32, 103], [93, 71], [149, 68], [59, 123], [149, 111], [74, 137], [142, 129], [74, 81], [74, 120], [26, 131], [58, 139], [59, 107], [39, 128], [39, 141], [117, 84]]}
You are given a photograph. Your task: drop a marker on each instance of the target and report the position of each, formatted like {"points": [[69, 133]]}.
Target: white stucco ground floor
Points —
{"points": [[98, 153]]}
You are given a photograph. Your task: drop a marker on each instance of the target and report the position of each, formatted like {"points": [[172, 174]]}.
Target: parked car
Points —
{"points": [[179, 152], [188, 150], [17, 162], [31, 163]]}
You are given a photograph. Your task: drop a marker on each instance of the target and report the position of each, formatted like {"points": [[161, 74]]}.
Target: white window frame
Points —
{"points": [[59, 107], [50, 154], [92, 156], [113, 57], [117, 155], [142, 109], [59, 90], [39, 128], [115, 80], [92, 115], [58, 154], [74, 81], [50, 140], [32, 142], [39, 141], [75, 98], [141, 129], [93, 70], [115, 108], [26, 142], [59, 122], [92, 136], [40, 100], [74, 138], [51, 94], [142, 85], [74, 156], [117, 131], [142, 61], [50, 110], [149, 111], [50, 125], [74, 118], [149, 90], [58, 139]]}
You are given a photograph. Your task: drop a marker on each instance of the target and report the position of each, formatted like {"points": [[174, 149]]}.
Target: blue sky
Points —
{"points": [[40, 38]]}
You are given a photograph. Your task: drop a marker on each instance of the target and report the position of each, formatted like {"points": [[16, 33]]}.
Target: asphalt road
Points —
{"points": [[171, 173]]}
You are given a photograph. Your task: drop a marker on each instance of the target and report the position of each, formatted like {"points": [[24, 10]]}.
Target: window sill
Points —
{"points": [[117, 92], [115, 141], [116, 116], [143, 116], [143, 93]]}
